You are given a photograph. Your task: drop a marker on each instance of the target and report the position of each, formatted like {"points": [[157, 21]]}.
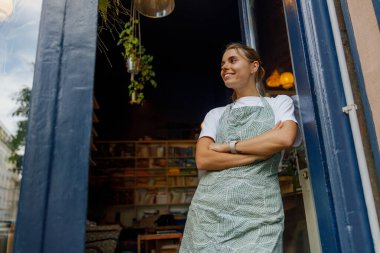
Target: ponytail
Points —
{"points": [[260, 73]]}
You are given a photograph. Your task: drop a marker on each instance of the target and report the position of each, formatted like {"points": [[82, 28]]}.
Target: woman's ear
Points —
{"points": [[254, 67]]}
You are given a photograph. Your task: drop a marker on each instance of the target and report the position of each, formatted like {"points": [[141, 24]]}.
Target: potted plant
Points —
{"points": [[138, 63], [132, 47]]}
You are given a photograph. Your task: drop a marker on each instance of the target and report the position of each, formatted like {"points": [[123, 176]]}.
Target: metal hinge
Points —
{"points": [[348, 108]]}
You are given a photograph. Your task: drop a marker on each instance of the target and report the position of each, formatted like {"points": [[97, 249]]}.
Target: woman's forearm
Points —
{"points": [[266, 144], [207, 159], [218, 161]]}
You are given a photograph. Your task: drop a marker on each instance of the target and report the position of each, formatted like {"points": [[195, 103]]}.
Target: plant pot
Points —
{"points": [[133, 65], [134, 99]]}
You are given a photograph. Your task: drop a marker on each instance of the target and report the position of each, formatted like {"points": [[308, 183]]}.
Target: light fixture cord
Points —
{"points": [[138, 24]]}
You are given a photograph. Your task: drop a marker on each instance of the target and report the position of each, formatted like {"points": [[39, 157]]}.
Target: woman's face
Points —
{"points": [[236, 71]]}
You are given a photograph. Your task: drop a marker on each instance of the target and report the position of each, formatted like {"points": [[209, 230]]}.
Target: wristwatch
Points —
{"points": [[232, 146]]}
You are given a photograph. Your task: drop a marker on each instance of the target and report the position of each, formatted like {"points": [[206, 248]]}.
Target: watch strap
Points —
{"points": [[232, 146]]}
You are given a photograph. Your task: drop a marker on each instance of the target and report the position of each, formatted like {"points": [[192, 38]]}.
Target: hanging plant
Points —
{"points": [[145, 76], [132, 46], [112, 15], [138, 63]]}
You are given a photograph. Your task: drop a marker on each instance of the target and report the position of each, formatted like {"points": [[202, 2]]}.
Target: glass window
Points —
{"points": [[19, 25]]}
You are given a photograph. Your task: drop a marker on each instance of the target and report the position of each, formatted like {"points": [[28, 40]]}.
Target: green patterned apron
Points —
{"points": [[238, 209]]}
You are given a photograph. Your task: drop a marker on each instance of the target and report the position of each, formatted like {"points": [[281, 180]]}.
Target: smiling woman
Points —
{"points": [[237, 206]]}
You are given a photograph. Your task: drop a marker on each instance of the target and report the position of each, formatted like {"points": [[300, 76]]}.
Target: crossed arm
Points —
{"points": [[214, 156]]}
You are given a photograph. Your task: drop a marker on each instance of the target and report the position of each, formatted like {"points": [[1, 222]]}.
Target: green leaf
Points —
{"points": [[17, 141]]}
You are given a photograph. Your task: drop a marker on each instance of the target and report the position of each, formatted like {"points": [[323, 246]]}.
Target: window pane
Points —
{"points": [[19, 24]]}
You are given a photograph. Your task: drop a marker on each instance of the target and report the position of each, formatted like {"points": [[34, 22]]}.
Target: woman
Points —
{"points": [[237, 206]]}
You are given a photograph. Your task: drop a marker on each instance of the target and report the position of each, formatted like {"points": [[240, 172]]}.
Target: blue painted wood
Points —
{"points": [[312, 136], [342, 178], [53, 199], [363, 93], [376, 6]]}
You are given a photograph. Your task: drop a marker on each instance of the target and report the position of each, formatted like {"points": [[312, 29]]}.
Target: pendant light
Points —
{"points": [[287, 80], [6, 9], [155, 8]]}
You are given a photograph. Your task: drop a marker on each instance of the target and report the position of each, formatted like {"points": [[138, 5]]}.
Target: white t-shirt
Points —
{"points": [[282, 107]]}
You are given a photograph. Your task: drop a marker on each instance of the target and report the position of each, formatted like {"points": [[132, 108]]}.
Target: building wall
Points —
{"points": [[367, 35], [5, 152], [9, 185]]}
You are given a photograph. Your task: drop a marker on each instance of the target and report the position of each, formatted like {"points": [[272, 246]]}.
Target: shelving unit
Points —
{"points": [[146, 177], [94, 133]]}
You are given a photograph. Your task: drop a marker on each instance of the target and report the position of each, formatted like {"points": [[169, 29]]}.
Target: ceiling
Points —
{"points": [[187, 47]]}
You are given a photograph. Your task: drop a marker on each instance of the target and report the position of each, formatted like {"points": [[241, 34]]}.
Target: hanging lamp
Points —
{"points": [[287, 80], [154, 8], [6, 9], [274, 79]]}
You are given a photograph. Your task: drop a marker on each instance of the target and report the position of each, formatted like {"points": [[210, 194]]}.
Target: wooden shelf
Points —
{"points": [[95, 104], [162, 204], [183, 175], [95, 118], [158, 171], [182, 186], [114, 158], [94, 132], [92, 163]]}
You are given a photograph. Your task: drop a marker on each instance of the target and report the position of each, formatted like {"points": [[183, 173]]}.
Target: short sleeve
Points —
{"points": [[284, 109], [210, 123]]}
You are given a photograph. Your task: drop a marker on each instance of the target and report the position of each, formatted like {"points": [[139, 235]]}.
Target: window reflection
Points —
{"points": [[19, 24]]}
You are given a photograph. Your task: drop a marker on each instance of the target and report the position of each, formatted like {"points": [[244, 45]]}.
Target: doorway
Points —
{"points": [[187, 53], [57, 184]]}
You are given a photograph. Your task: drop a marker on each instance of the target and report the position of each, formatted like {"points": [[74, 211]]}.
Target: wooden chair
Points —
{"points": [[102, 239], [156, 237]]}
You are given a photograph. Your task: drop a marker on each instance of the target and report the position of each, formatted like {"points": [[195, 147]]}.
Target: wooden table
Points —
{"points": [[156, 237]]}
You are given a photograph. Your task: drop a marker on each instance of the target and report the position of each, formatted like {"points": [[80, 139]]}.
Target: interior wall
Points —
{"points": [[272, 39], [272, 42], [367, 36]]}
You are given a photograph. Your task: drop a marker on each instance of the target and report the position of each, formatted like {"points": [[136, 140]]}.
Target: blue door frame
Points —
{"points": [[340, 207], [53, 199]]}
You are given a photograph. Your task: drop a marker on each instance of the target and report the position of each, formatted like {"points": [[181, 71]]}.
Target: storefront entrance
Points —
{"points": [[60, 182]]}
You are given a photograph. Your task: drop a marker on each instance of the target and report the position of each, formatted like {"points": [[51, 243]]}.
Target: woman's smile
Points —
{"points": [[227, 76]]}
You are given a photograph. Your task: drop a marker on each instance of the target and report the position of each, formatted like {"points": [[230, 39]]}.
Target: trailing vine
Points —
{"points": [[138, 62]]}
